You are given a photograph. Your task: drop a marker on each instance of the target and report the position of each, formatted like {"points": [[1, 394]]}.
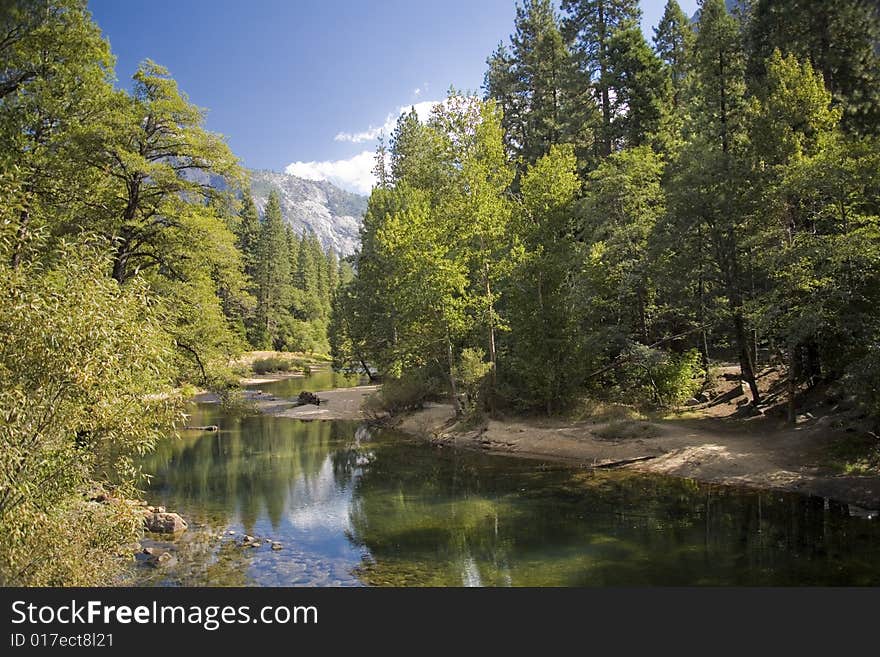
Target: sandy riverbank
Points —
{"points": [[707, 446], [337, 404], [704, 449]]}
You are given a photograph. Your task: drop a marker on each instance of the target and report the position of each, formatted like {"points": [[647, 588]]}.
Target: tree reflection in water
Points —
{"points": [[353, 506]]}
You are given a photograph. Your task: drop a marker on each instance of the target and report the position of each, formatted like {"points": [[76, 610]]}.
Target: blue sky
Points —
{"points": [[306, 85]]}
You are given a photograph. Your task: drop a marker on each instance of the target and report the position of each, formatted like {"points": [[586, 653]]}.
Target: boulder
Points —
{"points": [[164, 523]]}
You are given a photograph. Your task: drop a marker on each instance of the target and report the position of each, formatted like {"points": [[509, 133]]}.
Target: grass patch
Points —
{"points": [[602, 412], [627, 430], [854, 455]]}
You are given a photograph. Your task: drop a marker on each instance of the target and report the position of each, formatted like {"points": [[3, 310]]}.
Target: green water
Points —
{"points": [[351, 508], [319, 379]]}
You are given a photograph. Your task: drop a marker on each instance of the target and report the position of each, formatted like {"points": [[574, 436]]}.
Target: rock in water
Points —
{"points": [[164, 523]]}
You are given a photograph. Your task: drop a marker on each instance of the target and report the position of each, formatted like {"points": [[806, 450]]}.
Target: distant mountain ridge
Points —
{"points": [[333, 214]]}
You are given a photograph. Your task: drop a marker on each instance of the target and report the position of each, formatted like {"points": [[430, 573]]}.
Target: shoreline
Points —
{"points": [[705, 451], [753, 452]]}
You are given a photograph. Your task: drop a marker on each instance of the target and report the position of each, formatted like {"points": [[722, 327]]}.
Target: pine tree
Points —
{"points": [[272, 275], [838, 37], [674, 40], [529, 84], [712, 186], [411, 151], [248, 234], [589, 28]]}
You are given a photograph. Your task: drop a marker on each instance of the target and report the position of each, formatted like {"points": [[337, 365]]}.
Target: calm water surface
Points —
{"points": [[322, 379], [356, 507]]}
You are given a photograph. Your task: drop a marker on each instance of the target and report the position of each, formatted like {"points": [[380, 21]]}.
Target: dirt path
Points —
{"points": [[704, 449]]}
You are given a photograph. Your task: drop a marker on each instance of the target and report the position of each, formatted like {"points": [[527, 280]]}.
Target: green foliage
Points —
{"points": [[838, 37], [618, 69], [86, 368], [472, 372], [657, 377], [627, 214], [529, 83], [276, 364], [674, 40], [541, 363], [406, 393]]}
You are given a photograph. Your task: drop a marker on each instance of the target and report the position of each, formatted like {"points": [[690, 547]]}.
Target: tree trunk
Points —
{"points": [[747, 367], [492, 356], [792, 384], [453, 390], [366, 369], [119, 267]]}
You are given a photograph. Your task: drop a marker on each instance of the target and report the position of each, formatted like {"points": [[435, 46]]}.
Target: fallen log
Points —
{"points": [[622, 462], [210, 427]]}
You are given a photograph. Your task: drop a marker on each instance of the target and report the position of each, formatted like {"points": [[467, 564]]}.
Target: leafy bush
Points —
{"points": [[86, 371], [679, 378], [862, 380], [409, 392], [659, 376], [471, 374], [273, 364]]}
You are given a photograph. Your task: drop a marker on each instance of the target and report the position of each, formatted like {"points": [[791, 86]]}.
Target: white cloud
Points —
{"points": [[417, 92], [423, 109], [354, 174]]}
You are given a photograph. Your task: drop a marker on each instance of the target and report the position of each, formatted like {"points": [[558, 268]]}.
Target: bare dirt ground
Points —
{"points": [[721, 442], [338, 404]]}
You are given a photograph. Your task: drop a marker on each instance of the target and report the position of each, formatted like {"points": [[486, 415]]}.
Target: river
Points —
{"points": [[353, 506]]}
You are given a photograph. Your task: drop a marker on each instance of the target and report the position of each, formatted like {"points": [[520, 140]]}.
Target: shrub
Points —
{"points": [[471, 374], [272, 364], [409, 392], [86, 371], [659, 376]]}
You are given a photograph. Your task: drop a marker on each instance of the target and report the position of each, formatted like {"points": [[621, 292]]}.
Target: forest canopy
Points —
{"points": [[614, 215], [124, 277]]}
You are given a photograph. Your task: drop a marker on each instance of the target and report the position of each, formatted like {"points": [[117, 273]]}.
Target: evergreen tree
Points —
{"points": [[248, 234], [273, 275], [710, 187], [674, 40], [411, 151], [601, 34], [838, 37], [529, 83]]}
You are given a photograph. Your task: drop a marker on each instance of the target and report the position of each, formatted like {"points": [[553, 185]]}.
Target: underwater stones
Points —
{"points": [[159, 558]]}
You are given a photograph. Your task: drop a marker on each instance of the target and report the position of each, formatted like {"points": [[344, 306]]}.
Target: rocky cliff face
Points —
{"points": [[333, 214]]}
